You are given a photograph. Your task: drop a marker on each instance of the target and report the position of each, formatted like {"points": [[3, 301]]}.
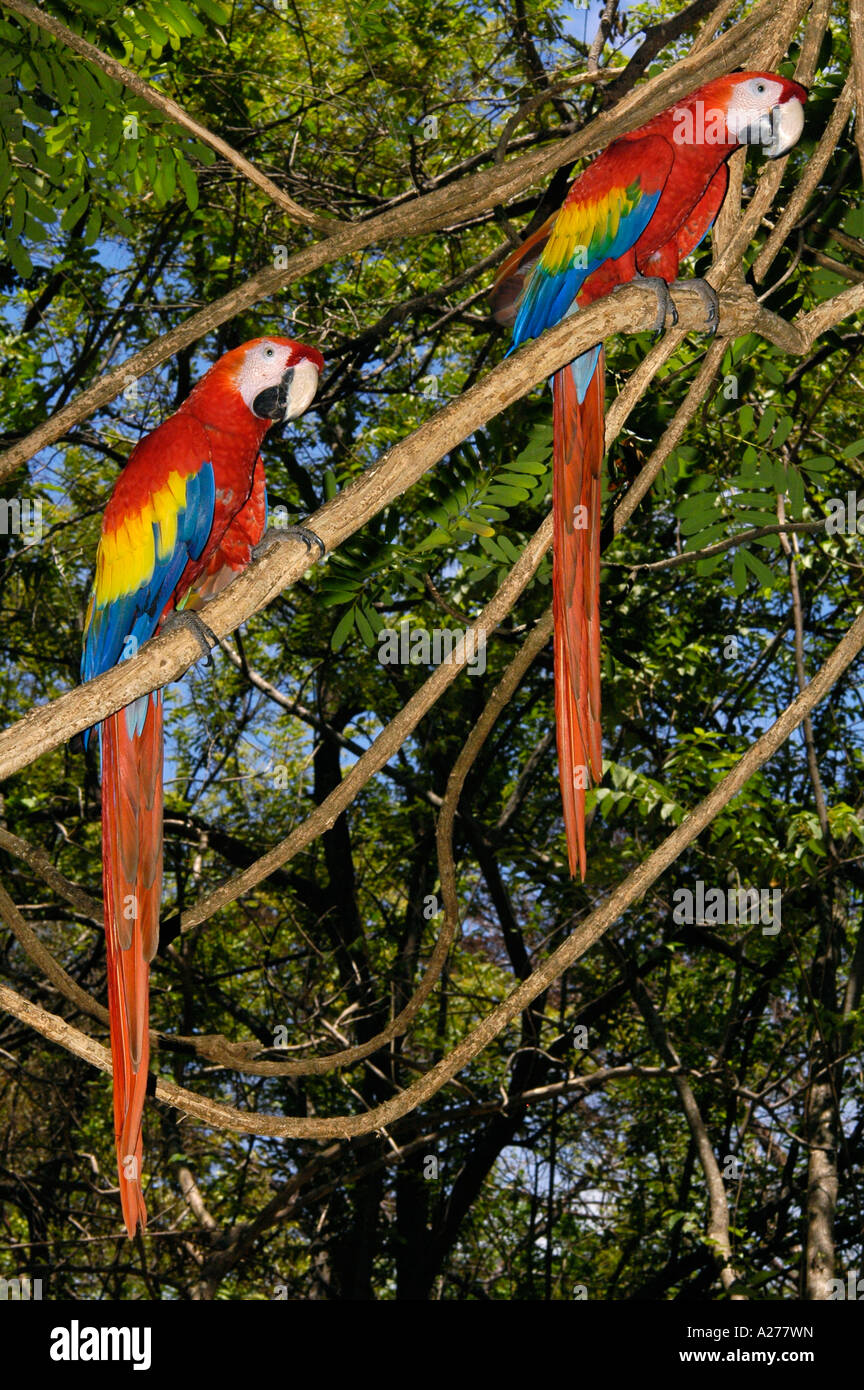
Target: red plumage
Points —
{"points": [[182, 520], [637, 210]]}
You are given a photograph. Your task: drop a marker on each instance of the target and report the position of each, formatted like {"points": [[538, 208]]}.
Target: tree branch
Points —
{"points": [[428, 212], [633, 887], [166, 657]]}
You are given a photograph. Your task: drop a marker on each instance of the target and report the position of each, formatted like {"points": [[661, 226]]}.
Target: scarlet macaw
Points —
{"points": [[634, 213], [184, 517]]}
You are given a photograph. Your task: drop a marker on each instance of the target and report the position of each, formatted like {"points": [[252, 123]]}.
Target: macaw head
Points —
{"points": [[759, 108], [277, 377], [252, 386]]}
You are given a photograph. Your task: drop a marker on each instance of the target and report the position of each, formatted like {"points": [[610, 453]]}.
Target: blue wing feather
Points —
{"points": [[116, 629]]}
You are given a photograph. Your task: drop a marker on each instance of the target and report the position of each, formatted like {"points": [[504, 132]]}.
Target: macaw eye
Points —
{"points": [[269, 352], [760, 87]]}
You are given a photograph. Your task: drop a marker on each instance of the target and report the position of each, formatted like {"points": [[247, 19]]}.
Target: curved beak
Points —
{"points": [[302, 387], [787, 123], [294, 394]]}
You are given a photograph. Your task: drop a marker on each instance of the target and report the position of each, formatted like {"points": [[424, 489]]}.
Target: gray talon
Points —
{"points": [[289, 533], [204, 635], [664, 300], [708, 295]]}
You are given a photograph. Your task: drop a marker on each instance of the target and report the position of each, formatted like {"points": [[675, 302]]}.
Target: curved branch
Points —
{"points": [[429, 212], [42, 957], [633, 887], [169, 108], [806, 528], [165, 658]]}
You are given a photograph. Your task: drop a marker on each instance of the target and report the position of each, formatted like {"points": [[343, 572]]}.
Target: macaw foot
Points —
{"points": [[274, 534], [664, 300], [204, 635], [708, 295]]}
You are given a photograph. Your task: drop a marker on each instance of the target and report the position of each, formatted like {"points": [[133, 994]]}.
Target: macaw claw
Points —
{"points": [[664, 300], [708, 295], [287, 533], [204, 635]]}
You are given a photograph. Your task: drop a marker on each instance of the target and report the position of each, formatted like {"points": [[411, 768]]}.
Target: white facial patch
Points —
{"points": [[264, 366], [753, 112]]}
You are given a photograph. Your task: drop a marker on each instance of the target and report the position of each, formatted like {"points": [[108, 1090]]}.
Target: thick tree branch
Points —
{"points": [[429, 212], [166, 657]]}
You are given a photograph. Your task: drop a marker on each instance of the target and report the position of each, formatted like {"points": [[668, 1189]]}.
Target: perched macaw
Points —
{"points": [[634, 213], [184, 517]]}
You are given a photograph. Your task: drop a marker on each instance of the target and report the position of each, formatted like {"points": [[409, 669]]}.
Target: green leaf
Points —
{"points": [[526, 464], [701, 539], [188, 183], [507, 496], [215, 10], [435, 538], [752, 499], [795, 489], [739, 572], [697, 502], [511, 479], [158, 36], [364, 626], [344, 626], [76, 210], [693, 525], [19, 257], [94, 225], [477, 528], [766, 424], [166, 178], [757, 567], [492, 547], [509, 549], [820, 463], [19, 212]]}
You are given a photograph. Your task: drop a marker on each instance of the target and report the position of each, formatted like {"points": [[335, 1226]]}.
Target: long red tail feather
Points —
{"points": [[576, 505], [132, 885]]}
